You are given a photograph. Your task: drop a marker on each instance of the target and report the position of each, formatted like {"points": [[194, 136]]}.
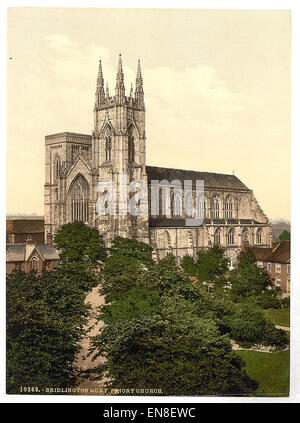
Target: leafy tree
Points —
{"points": [[172, 349], [79, 243], [285, 236], [132, 248], [188, 265], [45, 321], [212, 266], [248, 326], [245, 259], [248, 280], [159, 333]]}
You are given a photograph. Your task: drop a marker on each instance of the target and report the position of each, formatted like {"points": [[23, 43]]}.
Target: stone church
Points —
{"points": [[76, 163]]}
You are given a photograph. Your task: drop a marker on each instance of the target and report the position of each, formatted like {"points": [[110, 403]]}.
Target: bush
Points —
{"points": [[285, 302], [274, 337], [266, 300]]}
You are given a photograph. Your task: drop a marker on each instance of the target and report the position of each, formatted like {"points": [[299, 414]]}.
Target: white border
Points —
{"points": [[175, 4]]}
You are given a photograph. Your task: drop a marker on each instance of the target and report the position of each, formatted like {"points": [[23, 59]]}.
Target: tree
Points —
{"points": [[188, 265], [132, 248], [245, 259], [212, 266], [79, 243], [171, 348], [248, 280], [285, 236], [158, 332], [46, 316], [248, 326]]}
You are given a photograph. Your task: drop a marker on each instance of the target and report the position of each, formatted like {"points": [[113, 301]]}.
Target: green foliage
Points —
{"points": [[248, 281], [245, 259], [135, 303], [159, 331], [285, 302], [212, 265], [285, 236], [267, 299], [248, 327], [120, 273], [174, 350], [45, 321], [132, 248], [188, 265], [78, 242]]}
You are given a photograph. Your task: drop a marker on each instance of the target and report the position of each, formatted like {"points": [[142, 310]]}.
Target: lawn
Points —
{"points": [[270, 370], [278, 317]]}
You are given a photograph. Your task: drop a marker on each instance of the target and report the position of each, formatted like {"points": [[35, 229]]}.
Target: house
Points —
{"points": [[30, 256], [276, 261]]}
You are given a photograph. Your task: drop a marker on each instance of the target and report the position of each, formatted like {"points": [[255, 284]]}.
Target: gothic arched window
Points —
{"points": [[177, 205], [258, 236], [228, 208], [201, 208], [131, 150], [34, 263], [245, 235], [108, 148], [217, 237], [215, 212], [56, 168], [79, 197], [230, 237]]}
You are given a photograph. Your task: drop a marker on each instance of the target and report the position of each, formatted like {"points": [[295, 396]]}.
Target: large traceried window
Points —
{"points": [[215, 211], [230, 237], [79, 197], [228, 208]]}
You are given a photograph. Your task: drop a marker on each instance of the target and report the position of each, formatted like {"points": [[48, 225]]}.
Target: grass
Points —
{"points": [[270, 370], [278, 317]]}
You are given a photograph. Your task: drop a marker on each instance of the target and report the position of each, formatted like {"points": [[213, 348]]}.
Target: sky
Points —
{"points": [[216, 82]]}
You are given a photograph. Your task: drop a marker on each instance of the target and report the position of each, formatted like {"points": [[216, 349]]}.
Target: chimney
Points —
{"points": [[30, 241]]}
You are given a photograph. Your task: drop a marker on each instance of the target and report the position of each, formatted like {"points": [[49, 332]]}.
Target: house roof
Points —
{"points": [[279, 253], [211, 180], [18, 252]]}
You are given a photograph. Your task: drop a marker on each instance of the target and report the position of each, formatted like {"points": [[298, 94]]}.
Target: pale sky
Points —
{"points": [[217, 91]]}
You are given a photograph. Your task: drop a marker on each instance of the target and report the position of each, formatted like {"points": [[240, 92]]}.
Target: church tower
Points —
{"points": [[119, 154]]}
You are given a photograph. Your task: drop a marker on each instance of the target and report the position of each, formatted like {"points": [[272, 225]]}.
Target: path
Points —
{"points": [[93, 387]]}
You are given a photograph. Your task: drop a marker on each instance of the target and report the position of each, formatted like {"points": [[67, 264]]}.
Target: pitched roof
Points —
{"points": [[279, 253], [17, 252], [211, 180]]}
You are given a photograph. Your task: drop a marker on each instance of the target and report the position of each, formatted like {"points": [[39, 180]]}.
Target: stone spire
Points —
{"points": [[120, 88], [100, 95], [139, 92], [107, 90]]}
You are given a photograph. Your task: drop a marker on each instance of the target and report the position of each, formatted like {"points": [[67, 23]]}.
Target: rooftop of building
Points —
{"points": [[211, 180], [278, 253]]}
